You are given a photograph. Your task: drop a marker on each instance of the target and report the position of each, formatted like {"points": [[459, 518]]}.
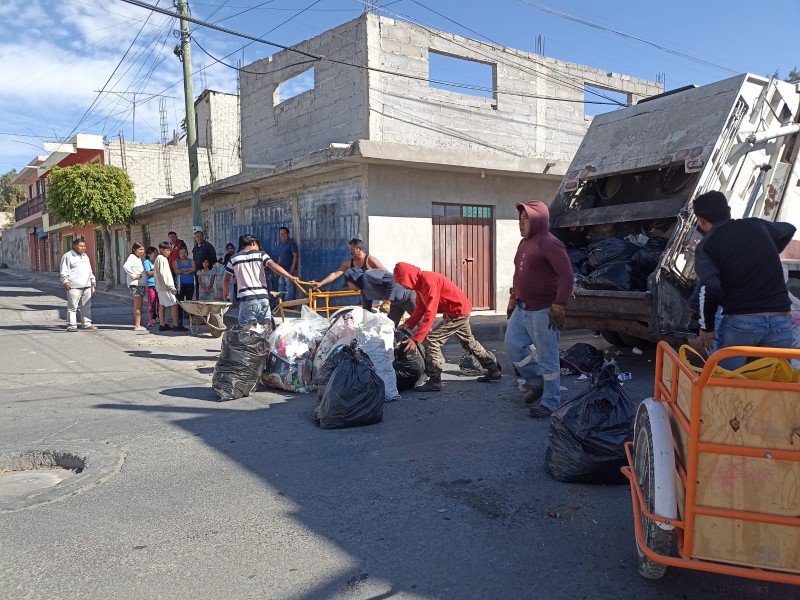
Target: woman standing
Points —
{"points": [[206, 277], [185, 269], [152, 295], [230, 250], [137, 285]]}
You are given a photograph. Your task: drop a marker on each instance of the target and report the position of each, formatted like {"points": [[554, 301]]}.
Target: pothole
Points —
{"points": [[35, 475]]}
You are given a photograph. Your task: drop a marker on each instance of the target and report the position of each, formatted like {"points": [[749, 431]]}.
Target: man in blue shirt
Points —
{"points": [[286, 256]]}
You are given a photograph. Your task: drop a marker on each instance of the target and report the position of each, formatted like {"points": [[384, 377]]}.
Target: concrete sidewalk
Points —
{"points": [[485, 324]]}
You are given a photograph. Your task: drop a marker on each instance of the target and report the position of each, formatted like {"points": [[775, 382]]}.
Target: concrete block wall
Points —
{"points": [[537, 109], [334, 111], [218, 132], [15, 249], [144, 164]]}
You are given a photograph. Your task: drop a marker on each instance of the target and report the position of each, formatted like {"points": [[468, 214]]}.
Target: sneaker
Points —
{"points": [[72, 328], [429, 386], [179, 328], [540, 412], [140, 328], [164, 328], [534, 395], [151, 323], [491, 376], [89, 328]]}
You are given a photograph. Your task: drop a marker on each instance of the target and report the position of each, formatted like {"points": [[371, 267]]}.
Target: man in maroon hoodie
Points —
{"points": [[436, 293], [542, 283]]}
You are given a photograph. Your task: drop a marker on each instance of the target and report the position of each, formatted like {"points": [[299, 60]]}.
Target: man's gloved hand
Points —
{"points": [[707, 339], [557, 315]]}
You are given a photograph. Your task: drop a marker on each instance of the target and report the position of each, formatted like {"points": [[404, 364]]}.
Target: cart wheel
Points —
{"points": [[612, 337], [656, 539], [216, 325]]}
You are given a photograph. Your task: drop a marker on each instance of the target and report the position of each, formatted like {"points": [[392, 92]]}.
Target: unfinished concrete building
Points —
{"points": [[361, 143]]}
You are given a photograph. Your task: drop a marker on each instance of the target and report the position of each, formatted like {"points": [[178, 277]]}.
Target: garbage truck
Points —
{"points": [[623, 208]]}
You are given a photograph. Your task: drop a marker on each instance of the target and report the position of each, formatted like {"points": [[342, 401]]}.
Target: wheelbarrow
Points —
{"points": [[206, 312], [714, 470]]}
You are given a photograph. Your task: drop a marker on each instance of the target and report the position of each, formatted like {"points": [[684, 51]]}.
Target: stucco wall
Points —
{"points": [[15, 249], [400, 225]]}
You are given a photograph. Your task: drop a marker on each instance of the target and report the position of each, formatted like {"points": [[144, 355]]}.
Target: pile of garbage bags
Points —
{"points": [[587, 433], [292, 346], [617, 264]]}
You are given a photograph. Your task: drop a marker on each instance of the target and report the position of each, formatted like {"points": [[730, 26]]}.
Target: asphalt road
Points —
{"points": [[446, 498]]}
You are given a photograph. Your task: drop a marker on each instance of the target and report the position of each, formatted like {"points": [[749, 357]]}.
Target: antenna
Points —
{"points": [[539, 45], [162, 110]]}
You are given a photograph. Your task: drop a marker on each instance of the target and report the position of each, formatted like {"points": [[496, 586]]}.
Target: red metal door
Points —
{"points": [[462, 249]]}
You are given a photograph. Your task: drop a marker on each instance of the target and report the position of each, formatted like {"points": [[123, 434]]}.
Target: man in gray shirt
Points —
{"points": [[78, 279], [376, 284]]}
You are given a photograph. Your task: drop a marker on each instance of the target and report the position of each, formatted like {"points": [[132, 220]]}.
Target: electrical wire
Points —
{"points": [[661, 47]]}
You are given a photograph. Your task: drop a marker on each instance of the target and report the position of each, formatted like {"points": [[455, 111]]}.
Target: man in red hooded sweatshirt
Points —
{"points": [[542, 283], [436, 293]]}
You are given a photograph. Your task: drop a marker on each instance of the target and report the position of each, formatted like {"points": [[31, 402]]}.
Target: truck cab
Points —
{"points": [[634, 177]]}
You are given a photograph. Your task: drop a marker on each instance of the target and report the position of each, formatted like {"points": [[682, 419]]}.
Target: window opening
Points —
{"points": [[479, 77], [294, 86]]}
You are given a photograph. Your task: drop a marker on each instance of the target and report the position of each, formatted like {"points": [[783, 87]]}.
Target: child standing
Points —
{"points": [[152, 296], [165, 286], [185, 270], [206, 278]]}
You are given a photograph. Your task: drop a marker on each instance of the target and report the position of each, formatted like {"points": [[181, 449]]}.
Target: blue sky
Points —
{"points": [[56, 54]]}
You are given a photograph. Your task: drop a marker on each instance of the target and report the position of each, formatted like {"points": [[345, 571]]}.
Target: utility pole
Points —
{"points": [[191, 129]]}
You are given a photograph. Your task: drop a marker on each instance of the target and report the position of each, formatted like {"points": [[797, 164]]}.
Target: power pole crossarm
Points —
{"points": [[191, 129]]}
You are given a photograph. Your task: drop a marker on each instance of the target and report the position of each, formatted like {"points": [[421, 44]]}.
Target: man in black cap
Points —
{"points": [[738, 265], [376, 284]]}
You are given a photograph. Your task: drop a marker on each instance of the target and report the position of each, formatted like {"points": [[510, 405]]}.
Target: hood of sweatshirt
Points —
{"points": [[407, 275], [539, 216], [355, 276]]}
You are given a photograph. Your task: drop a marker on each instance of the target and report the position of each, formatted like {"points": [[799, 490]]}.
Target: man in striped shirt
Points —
{"points": [[248, 266]]}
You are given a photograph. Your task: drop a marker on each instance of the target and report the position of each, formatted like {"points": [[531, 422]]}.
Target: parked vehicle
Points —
{"points": [[636, 173]]}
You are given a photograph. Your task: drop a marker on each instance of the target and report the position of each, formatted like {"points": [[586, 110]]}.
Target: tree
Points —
{"points": [[10, 195], [793, 76], [92, 194]]}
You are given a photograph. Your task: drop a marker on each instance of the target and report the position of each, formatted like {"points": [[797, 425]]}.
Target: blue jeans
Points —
{"points": [[256, 309], [533, 348], [286, 287], [747, 330]]}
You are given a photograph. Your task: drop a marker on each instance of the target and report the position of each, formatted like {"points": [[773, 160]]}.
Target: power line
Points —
{"points": [[593, 25]]}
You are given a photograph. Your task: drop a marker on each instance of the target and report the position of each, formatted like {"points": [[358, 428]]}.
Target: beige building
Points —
{"points": [[371, 148]]}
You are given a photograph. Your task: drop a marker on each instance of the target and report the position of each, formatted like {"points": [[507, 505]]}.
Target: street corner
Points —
{"points": [[37, 474]]}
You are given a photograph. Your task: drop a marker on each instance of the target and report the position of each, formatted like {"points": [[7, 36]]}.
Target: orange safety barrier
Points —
{"points": [[693, 444]]}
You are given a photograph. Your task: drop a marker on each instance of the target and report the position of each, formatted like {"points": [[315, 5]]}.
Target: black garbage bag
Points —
{"points": [[577, 257], [409, 367], [610, 250], [587, 433], [581, 358], [353, 394], [469, 365], [613, 276], [240, 364]]}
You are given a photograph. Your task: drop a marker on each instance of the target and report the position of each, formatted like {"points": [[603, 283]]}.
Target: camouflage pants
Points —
{"points": [[458, 326]]}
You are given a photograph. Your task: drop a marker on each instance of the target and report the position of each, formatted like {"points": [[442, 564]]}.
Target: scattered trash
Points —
{"points": [[581, 358], [583, 377], [469, 365], [637, 351], [522, 386], [563, 389], [626, 376], [553, 514]]}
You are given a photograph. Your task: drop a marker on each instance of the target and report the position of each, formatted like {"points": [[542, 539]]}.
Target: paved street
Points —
{"points": [[446, 498]]}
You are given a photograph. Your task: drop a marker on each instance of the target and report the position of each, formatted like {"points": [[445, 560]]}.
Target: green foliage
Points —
{"points": [[10, 195], [90, 193], [794, 75]]}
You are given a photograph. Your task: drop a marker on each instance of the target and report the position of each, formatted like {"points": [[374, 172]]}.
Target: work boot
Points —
{"points": [[434, 384], [495, 375], [540, 412], [534, 395]]}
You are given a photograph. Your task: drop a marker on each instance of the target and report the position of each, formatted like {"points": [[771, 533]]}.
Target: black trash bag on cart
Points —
{"points": [[409, 367], [241, 362], [610, 250], [581, 358], [353, 394], [587, 434]]}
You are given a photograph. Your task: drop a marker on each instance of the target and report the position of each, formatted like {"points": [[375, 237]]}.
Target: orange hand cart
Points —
{"points": [[316, 300], [714, 471]]}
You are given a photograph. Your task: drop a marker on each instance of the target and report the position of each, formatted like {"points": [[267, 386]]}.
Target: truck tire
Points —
{"points": [[612, 337]]}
